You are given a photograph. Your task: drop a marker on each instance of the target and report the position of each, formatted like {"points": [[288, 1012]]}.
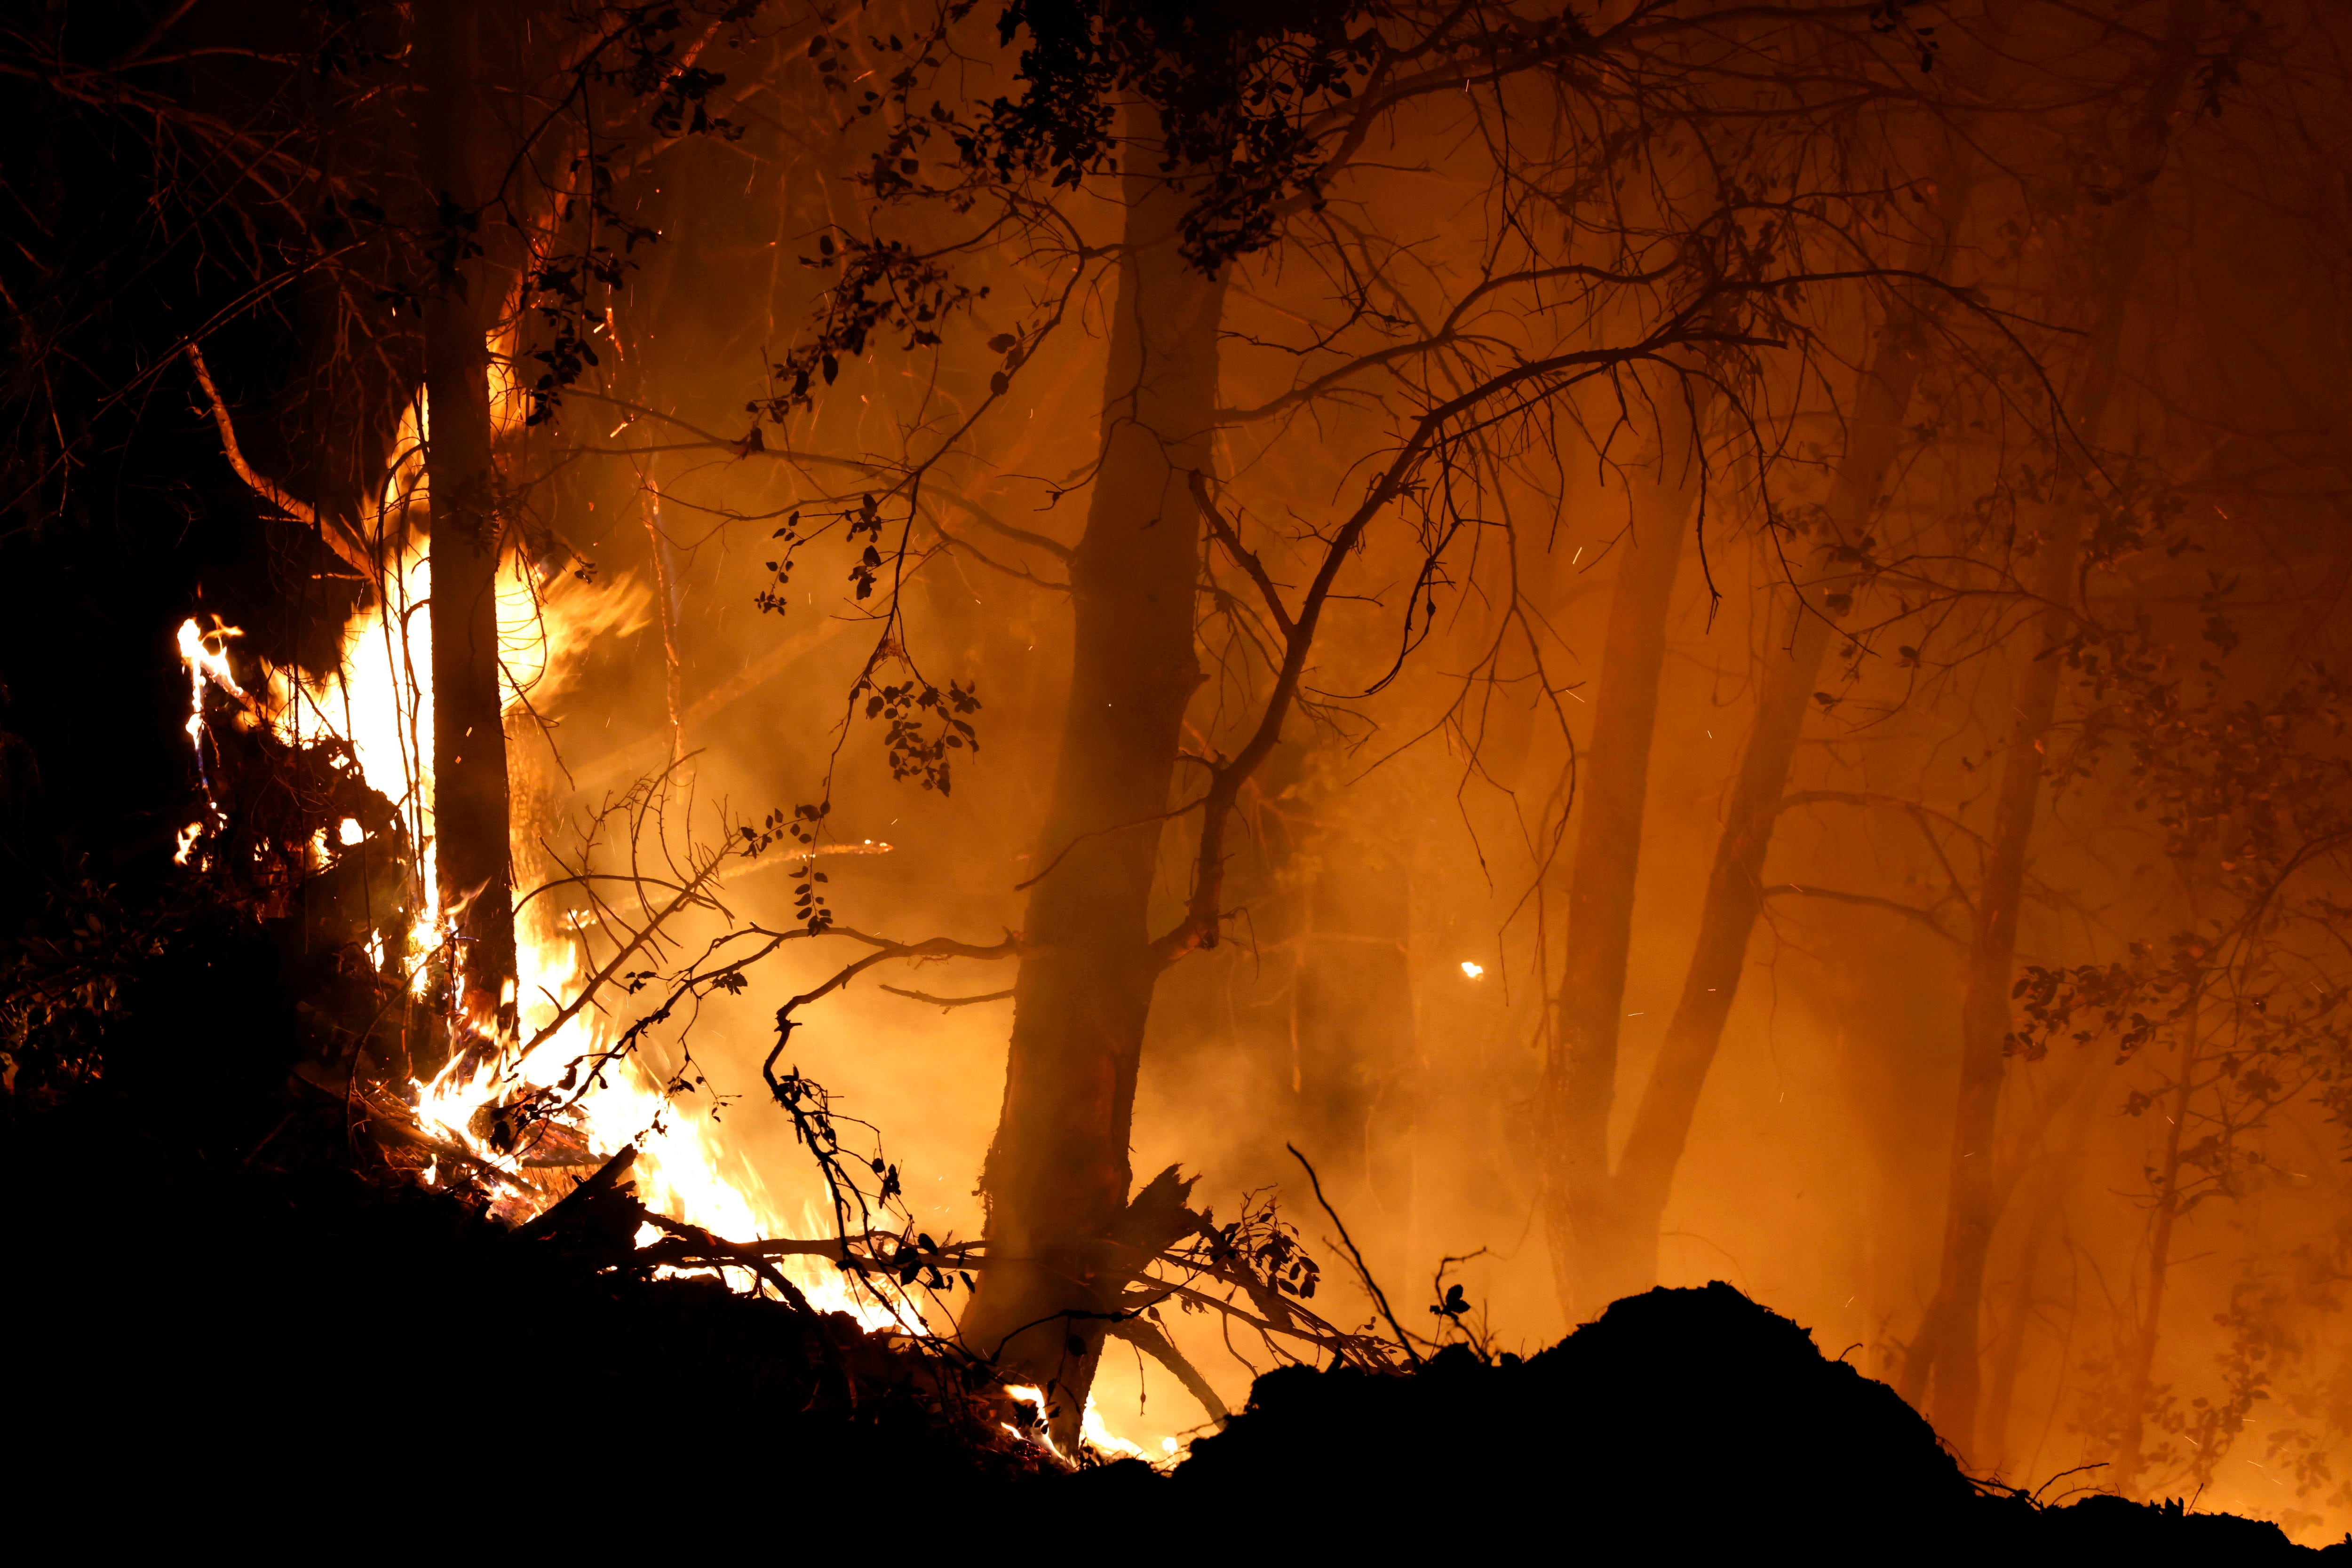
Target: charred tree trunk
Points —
{"points": [[473, 877], [1948, 1343], [1580, 1074], [1057, 1179]]}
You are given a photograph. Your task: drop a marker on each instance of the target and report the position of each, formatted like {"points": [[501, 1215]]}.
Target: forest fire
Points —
{"points": [[1207, 762], [378, 706]]}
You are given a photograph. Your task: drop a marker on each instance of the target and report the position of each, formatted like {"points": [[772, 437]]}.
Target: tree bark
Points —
{"points": [[1056, 1176], [472, 875], [1580, 1071], [672, 607], [1950, 1335]]}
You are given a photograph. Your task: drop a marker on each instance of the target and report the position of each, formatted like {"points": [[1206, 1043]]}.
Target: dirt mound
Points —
{"points": [[1686, 1419]]}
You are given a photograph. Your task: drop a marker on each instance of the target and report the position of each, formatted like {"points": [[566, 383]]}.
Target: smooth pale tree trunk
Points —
{"points": [[672, 606], [1055, 1182], [1580, 1071], [1951, 1337], [473, 876], [1621, 1258]]}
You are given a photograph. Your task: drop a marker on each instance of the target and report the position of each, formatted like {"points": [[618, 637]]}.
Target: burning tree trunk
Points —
{"points": [[473, 878], [1056, 1177], [1948, 1350], [1581, 1065]]}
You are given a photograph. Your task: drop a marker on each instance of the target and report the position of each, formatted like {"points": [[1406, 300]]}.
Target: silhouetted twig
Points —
{"points": [[1380, 1298]]}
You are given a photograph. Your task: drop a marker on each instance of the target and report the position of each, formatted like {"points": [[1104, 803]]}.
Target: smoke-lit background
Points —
{"points": [[1383, 996]]}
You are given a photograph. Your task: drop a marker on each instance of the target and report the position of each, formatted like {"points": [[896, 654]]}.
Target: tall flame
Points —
{"points": [[379, 702]]}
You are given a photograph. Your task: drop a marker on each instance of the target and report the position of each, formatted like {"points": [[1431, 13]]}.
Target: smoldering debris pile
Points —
{"points": [[1684, 1418]]}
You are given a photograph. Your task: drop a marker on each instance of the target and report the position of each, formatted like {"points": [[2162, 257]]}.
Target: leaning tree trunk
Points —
{"points": [[1580, 1071], [2140, 1367], [1950, 1337], [2001, 1398], [473, 878], [1055, 1182], [1735, 892], [1623, 1259]]}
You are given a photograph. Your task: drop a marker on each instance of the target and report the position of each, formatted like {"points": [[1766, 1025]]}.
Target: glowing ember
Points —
{"points": [[207, 664], [1472, 970]]}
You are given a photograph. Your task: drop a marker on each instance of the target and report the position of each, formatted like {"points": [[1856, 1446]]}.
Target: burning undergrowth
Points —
{"points": [[261, 1263], [282, 1184], [254, 1261], [522, 1222], [282, 1192]]}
